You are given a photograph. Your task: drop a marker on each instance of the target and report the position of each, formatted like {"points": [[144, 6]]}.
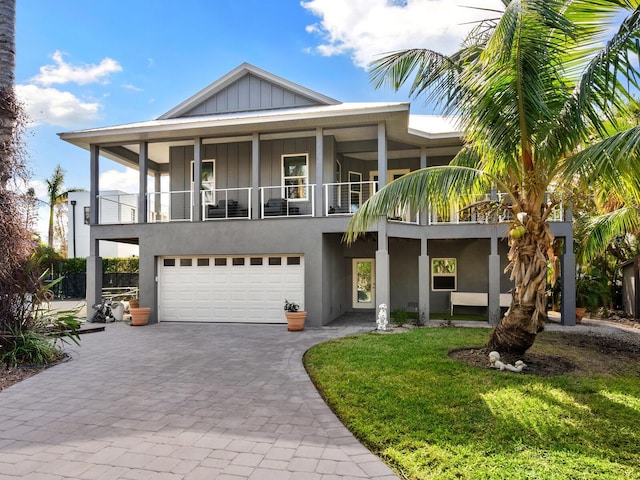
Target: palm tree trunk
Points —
{"points": [[517, 330], [8, 106]]}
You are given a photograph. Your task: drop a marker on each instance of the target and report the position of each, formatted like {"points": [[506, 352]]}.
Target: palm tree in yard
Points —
{"points": [[535, 90], [56, 195]]}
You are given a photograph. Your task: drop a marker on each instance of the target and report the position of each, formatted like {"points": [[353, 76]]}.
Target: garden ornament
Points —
{"points": [[382, 320], [494, 361]]}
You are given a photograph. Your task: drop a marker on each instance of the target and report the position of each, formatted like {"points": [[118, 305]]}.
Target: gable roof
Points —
{"points": [[247, 88]]}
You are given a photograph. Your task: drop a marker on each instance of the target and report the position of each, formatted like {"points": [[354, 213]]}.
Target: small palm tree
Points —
{"points": [[535, 89], [56, 195]]}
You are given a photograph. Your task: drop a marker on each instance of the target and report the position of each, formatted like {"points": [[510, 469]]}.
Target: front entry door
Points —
{"points": [[364, 283]]}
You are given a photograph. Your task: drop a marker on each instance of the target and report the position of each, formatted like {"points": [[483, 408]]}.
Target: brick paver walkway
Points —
{"points": [[181, 401]]}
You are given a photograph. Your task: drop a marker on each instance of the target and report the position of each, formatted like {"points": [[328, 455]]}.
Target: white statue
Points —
{"points": [[494, 362], [382, 320]]}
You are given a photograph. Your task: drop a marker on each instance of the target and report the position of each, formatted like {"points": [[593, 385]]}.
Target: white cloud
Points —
{"points": [[63, 72], [55, 107], [365, 29], [125, 181], [133, 88]]}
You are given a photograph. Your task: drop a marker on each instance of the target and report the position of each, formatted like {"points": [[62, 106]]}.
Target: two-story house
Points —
{"points": [[263, 176]]}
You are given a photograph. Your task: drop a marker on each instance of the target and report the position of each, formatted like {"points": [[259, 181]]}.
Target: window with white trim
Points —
{"points": [[208, 180], [295, 176], [355, 191], [444, 274]]}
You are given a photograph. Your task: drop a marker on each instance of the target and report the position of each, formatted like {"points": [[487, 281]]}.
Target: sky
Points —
{"points": [[88, 63]]}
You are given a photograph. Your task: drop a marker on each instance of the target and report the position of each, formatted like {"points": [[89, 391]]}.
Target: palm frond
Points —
{"points": [[601, 230], [419, 190]]}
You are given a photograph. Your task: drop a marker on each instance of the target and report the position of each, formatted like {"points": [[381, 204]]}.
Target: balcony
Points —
{"points": [[339, 199]]}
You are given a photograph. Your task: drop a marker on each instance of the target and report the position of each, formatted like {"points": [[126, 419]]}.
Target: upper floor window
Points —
{"points": [[208, 179], [295, 176]]}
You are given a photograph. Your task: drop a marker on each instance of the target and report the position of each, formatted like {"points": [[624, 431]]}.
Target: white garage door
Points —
{"points": [[228, 289]]}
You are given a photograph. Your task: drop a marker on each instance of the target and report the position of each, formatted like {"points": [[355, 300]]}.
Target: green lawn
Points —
{"points": [[432, 417]]}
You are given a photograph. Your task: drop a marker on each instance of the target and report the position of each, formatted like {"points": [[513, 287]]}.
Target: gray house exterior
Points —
{"points": [[263, 177]]}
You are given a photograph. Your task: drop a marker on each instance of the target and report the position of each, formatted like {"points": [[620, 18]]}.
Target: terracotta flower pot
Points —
{"points": [[580, 311], [295, 320], [139, 316]]}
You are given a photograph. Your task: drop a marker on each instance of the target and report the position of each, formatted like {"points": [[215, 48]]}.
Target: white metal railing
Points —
{"points": [[226, 203], [117, 209], [347, 197], [169, 206], [287, 201]]}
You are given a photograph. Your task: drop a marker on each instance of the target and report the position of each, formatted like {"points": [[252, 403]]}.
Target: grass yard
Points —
{"points": [[431, 417]]}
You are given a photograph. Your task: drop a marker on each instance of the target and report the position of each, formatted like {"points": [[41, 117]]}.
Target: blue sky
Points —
{"points": [[88, 63]]}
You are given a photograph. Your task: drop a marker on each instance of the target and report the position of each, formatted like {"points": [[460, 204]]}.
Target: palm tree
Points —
{"points": [[534, 89], [8, 107], [56, 196]]}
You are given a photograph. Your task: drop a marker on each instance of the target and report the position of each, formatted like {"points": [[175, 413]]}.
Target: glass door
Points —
{"points": [[364, 285]]}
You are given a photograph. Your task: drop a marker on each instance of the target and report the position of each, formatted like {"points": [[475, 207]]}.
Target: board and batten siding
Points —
{"points": [[250, 93]]}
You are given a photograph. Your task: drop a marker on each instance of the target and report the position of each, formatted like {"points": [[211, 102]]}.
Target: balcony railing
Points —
{"points": [[287, 201], [340, 199], [117, 209], [226, 203], [169, 206], [346, 198]]}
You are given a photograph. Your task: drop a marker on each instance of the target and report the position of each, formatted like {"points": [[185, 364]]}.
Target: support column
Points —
{"points": [[382, 155], [568, 308], [196, 194], [94, 184], [424, 282], [255, 176], [423, 219], [494, 282], [319, 210], [383, 283], [143, 164], [157, 202], [94, 277]]}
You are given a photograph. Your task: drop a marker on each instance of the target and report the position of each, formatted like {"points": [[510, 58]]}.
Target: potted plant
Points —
{"points": [[139, 316], [591, 293], [295, 316]]}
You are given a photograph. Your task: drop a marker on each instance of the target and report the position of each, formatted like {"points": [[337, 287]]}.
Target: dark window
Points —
{"points": [[444, 283], [220, 262], [87, 215], [203, 262], [169, 262], [238, 261], [256, 260], [275, 261], [185, 262], [293, 260]]}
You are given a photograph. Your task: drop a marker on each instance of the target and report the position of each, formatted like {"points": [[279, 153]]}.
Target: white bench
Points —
{"points": [[476, 299]]}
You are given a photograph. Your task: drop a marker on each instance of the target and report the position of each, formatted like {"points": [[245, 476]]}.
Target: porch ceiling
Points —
{"points": [[346, 122]]}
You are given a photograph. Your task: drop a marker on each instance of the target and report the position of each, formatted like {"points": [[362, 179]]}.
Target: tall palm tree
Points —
{"points": [[8, 108], [534, 89], [56, 195]]}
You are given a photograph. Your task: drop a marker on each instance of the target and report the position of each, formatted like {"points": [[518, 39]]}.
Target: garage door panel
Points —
{"points": [[227, 292]]}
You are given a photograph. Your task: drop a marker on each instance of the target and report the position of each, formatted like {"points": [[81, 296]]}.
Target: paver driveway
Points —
{"points": [[180, 401]]}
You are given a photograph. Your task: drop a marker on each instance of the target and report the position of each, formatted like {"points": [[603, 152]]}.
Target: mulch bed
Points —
{"points": [[582, 354]]}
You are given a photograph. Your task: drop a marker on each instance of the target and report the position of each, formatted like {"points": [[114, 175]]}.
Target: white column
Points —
{"points": [[383, 282]]}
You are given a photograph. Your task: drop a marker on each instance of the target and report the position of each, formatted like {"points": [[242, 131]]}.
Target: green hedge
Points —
{"points": [[109, 265]]}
